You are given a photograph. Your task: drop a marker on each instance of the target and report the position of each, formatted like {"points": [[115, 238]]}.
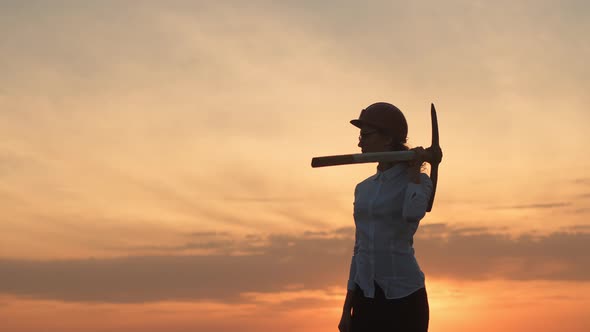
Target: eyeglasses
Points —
{"points": [[366, 134]]}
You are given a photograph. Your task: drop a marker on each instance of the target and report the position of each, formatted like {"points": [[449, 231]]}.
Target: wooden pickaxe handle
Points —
{"points": [[360, 158]]}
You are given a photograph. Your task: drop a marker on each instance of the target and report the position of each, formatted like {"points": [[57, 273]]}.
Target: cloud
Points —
{"points": [[13, 162], [581, 211], [533, 206], [208, 234], [582, 181], [577, 228], [276, 262], [154, 278], [489, 255]]}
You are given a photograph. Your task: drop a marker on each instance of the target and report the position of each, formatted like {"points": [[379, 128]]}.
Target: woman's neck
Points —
{"points": [[385, 165]]}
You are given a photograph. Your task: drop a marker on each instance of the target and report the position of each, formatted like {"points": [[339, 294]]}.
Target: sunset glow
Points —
{"points": [[155, 160]]}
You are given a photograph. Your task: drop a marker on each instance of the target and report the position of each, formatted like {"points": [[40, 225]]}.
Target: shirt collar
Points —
{"points": [[391, 172]]}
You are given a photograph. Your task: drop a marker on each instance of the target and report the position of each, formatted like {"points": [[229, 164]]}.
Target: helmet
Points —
{"points": [[386, 117]]}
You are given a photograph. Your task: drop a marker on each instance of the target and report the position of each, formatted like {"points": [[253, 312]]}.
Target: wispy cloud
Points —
{"points": [[580, 211], [532, 206], [208, 234], [583, 181], [578, 228]]}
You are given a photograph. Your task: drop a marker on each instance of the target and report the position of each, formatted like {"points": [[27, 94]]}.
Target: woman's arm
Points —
{"points": [[347, 308], [417, 197], [415, 166], [419, 189], [346, 319]]}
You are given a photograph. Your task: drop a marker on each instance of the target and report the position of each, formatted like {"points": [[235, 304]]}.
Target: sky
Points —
{"points": [[155, 160]]}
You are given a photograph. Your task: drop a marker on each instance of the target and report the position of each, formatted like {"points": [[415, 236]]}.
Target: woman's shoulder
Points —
{"points": [[367, 181]]}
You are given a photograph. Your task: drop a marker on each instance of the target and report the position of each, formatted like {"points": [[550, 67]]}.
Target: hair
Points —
{"points": [[400, 145]]}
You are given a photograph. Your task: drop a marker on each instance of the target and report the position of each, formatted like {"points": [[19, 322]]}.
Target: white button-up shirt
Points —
{"points": [[388, 208]]}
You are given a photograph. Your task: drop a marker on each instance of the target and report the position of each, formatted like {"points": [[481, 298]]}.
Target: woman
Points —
{"points": [[386, 290]]}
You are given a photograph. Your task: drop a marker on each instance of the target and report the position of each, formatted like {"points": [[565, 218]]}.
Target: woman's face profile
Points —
{"points": [[372, 140]]}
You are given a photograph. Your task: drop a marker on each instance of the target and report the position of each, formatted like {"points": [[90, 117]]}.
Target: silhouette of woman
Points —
{"points": [[386, 289]]}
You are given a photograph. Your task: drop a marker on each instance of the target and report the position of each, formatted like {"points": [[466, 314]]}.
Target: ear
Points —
{"points": [[390, 141]]}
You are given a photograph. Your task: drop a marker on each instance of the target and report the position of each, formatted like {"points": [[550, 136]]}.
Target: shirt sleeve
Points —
{"points": [[417, 198], [351, 276]]}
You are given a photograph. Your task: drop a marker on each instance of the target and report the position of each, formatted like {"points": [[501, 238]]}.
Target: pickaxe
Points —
{"points": [[434, 157]]}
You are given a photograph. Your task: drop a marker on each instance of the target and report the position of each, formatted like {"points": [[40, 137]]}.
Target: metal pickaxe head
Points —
{"points": [[435, 155]]}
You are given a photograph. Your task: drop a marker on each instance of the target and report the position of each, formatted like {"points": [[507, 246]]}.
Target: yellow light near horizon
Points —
{"points": [[486, 306]]}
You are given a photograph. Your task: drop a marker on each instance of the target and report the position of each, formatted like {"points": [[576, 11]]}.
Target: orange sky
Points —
{"points": [[155, 160]]}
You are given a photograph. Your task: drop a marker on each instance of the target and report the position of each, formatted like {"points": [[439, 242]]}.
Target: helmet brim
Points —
{"points": [[357, 123], [360, 123]]}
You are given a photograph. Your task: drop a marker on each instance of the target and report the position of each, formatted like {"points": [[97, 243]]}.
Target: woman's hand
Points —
{"points": [[416, 164], [345, 320]]}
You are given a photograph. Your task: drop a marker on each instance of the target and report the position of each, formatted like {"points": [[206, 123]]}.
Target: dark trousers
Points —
{"points": [[407, 314]]}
